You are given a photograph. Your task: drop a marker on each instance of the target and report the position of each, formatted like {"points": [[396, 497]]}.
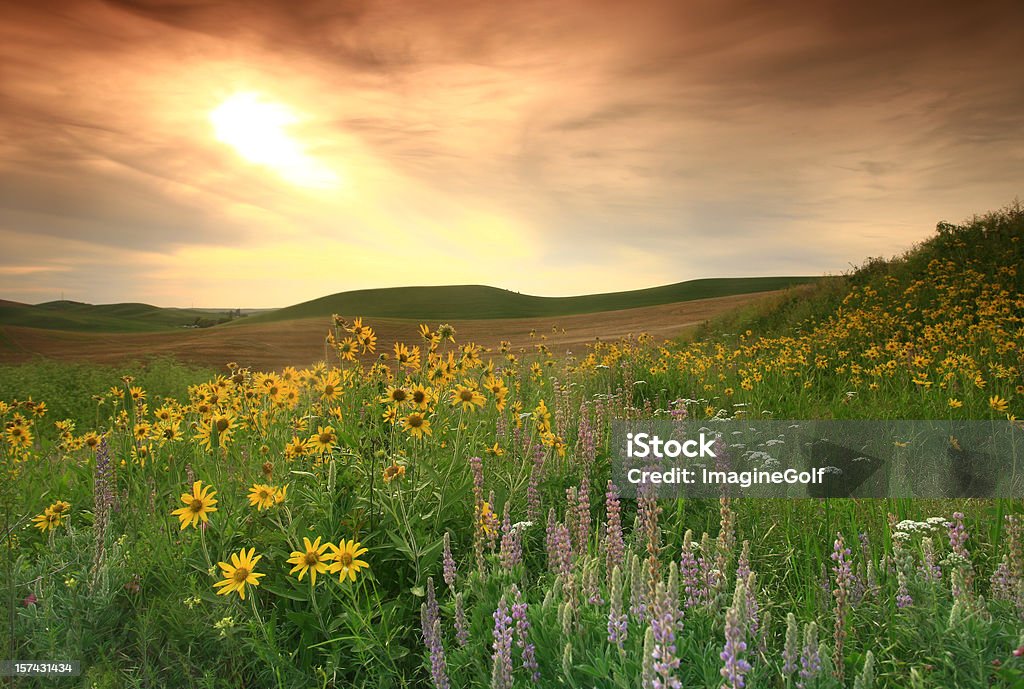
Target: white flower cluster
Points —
{"points": [[954, 560], [909, 526], [521, 526]]}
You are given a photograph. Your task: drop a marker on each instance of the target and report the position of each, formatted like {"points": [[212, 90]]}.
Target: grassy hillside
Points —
{"points": [[459, 302], [986, 246], [934, 333], [77, 316]]}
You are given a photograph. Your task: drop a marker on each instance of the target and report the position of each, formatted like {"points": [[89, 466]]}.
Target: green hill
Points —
{"points": [[453, 302], [77, 316], [990, 245], [935, 333], [469, 302]]}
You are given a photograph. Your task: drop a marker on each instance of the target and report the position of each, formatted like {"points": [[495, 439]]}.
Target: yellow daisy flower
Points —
{"points": [[346, 562], [261, 496], [313, 559], [240, 572], [198, 504]]}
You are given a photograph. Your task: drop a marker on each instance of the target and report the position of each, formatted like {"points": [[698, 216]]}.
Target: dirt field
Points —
{"points": [[301, 342]]}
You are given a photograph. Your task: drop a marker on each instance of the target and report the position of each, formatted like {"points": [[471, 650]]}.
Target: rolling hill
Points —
{"points": [[81, 317], [478, 302], [453, 302]]}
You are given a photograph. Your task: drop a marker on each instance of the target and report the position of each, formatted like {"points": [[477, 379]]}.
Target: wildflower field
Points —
{"points": [[429, 513]]}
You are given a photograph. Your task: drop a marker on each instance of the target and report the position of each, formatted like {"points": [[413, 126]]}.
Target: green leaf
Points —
{"points": [[300, 594]]}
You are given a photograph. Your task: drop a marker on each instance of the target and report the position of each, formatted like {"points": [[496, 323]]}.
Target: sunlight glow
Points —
{"points": [[257, 130]]}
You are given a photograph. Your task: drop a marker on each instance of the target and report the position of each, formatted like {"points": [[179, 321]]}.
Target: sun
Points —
{"points": [[258, 131]]}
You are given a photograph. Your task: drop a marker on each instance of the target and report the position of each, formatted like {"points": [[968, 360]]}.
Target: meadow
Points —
{"points": [[439, 514]]}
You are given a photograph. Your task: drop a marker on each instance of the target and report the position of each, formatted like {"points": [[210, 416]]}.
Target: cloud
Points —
{"points": [[535, 144]]}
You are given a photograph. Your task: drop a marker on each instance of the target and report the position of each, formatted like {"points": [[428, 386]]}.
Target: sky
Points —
{"points": [[261, 153]]}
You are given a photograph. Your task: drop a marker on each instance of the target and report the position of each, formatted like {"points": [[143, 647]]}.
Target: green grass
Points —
{"points": [[468, 302], [68, 388], [77, 316], [120, 586]]}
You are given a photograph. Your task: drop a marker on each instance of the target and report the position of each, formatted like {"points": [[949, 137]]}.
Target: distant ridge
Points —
{"points": [[77, 316], [451, 302], [477, 302]]}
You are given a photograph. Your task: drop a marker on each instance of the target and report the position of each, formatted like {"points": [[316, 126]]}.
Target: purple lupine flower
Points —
{"points": [[583, 512], [929, 567], [511, 551], [648, 678], [753, 609], [587, 444], [678, 410], [551, 541], [711, 577], [438, 664], [722, 462], [532, 489], [903, 597], [591, 589], [726, 541], [1002, 581], [958, 535], [637, 590], [433, 609], [527, 649], [825, 584], [1015, 544], [865, 545], [572, 506], [501, 670], [663, 624], [599, 415], [648, 511], [559, 546], [810, 657], [844, 580], [449, 561], [1015, 561], [734, 665], [672, 591], [567, 616], [477, 466], [564, 549], [903, 563], [961, 557], [693, 582], [959, 587], [618, 625], [614, 547], [743, 564], [791, 649], [430, 624], [461, 623]]}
